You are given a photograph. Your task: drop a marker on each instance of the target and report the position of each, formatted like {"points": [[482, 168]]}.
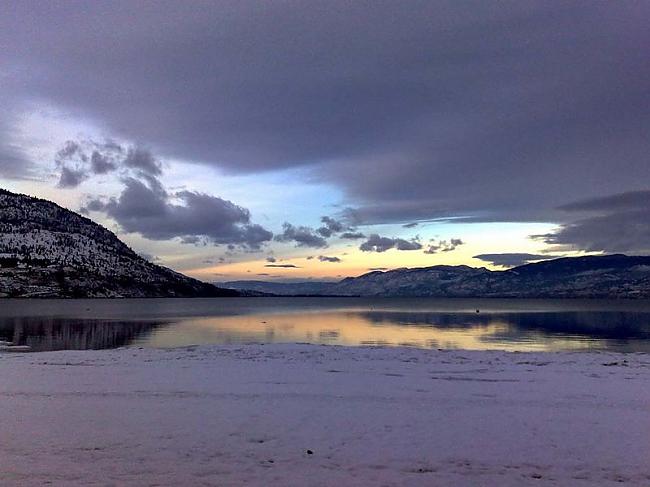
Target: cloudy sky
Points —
{"points": [[293, 139]]}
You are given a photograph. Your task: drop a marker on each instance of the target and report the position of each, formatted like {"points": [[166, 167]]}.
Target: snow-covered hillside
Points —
{"points": [[46, 250]]}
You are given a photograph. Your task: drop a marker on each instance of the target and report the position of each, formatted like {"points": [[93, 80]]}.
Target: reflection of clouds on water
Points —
{"points": [[405, 323], [509, 331]]}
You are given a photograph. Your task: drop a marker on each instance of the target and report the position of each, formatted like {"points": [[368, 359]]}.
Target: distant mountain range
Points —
{"points": [[305, 288], [48, 251], [608, 276]]}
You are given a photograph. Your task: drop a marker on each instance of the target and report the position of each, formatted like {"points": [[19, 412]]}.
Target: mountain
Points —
{"points": [[48, 251], [306, 288], [608, 276]]}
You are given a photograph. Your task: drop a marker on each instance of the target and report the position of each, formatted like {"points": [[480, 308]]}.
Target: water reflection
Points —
{"points": [[440, 325], [47, 334], [596, 324], [507, 331]]}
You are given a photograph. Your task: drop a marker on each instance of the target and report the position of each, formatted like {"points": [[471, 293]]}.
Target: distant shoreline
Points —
{"points": [[323, 296]]}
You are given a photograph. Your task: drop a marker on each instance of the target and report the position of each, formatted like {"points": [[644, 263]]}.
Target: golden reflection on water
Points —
{"points": [[354, 328]]}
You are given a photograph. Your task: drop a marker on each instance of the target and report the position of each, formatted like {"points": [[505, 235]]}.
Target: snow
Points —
{"points": [[246, 415]]}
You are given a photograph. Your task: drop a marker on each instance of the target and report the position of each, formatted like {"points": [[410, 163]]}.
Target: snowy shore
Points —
{"points": [[251, 415]]}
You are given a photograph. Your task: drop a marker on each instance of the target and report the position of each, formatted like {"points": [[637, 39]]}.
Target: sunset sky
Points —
{"points": [[291, 140]]}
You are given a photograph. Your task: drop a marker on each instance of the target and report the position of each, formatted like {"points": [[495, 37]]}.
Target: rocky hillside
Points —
{"points": [[48, 251], [609, 276]]}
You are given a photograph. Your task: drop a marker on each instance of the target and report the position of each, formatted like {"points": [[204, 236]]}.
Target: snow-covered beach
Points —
{"points": [[322, 415]]}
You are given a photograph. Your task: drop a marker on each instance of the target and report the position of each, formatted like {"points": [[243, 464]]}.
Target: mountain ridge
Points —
{"points": [[602, 276], [49, 251]]}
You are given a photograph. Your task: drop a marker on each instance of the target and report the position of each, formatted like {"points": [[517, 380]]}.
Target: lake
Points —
{"points": [[473, 324]]}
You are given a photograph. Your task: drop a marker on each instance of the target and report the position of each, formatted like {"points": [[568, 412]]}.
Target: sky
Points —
{"points": [[295, 140]]}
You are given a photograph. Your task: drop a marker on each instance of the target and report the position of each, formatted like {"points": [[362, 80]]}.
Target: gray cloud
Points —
{"points": [[301, 236], [438, 110], [632, 200], [617, 232], [513, 259], [76, 165], [94, 205], [378, 269], [71, 178], [69, 150], [324, 258], [101, 164], [283, 266], [270, 258], [352, 235], [148, 209], [616, 223], [376, 243], [71, 160], [443, 246], [401, 244], [14, 163], [330, 226], [138, 158]]}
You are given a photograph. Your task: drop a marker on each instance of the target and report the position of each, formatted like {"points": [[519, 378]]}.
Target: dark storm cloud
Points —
{"points": [[513, 259], [148, 209], [443, 246], [616, 223], [325, 258], [376, 243], [301, 236], [417, 110]]}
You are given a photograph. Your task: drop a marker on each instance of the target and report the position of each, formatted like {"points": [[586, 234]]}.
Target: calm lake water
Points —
{"points": [[503, 324]]}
